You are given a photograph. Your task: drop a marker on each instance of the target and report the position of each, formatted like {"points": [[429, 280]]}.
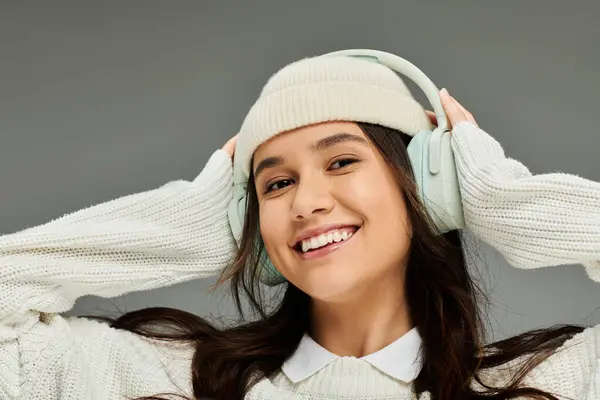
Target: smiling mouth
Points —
{"points": [[325, 242]]}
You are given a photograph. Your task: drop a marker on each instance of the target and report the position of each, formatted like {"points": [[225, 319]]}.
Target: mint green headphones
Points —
{"points": [[430, 154]]}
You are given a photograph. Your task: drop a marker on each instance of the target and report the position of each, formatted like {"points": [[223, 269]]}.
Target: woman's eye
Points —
{"points": [[278, 185], [343, 163], [282, 183]]}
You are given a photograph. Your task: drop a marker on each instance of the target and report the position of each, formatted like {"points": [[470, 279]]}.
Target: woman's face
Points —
{"points": [[332, 216]]}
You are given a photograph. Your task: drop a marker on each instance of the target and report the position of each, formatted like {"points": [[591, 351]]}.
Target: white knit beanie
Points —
{"points": [[330, 88]]}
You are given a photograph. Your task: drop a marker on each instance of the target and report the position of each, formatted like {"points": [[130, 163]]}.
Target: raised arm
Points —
{"points": [[164, 236], [532, 220]]}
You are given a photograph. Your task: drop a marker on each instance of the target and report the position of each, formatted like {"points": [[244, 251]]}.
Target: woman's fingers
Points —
{"points": [[229, 147], [432, 117], [466, 113], [453, 111]]}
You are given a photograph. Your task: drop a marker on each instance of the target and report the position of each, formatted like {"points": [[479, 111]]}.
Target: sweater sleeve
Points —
{"points": [[572, 371], [174, 233], [532, 220]]}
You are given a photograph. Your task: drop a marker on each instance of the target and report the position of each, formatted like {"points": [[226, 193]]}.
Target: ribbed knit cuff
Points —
{"points": [[219, 167], [473, 147]]}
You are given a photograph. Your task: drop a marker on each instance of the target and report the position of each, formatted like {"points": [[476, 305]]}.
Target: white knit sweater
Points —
{"points": [[179, 232]]}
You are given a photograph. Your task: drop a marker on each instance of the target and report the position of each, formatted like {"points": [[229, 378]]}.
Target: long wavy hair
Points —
{"points": [[445, 305]]}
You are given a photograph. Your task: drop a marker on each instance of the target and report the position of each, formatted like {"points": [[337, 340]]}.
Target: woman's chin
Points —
{"points": [[330, 287]]}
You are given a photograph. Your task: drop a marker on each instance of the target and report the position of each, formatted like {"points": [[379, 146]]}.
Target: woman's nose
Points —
{"points": [[311, 198]]}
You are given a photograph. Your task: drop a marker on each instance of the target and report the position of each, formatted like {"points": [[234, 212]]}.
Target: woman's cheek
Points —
{"points": [[363, 189], [273, 223]]}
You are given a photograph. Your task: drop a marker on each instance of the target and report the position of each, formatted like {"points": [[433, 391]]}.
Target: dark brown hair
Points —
{"points": [[444, 300]]}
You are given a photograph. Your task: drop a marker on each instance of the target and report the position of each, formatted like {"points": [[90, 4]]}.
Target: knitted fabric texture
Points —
{"points": [[328, 88], [179, 232]]}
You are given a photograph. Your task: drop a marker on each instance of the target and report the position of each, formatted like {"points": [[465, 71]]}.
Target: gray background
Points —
{"points": [[103, 99]]}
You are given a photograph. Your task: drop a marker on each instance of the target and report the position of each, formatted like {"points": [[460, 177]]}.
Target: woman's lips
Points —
{"points": [[326, 250]]}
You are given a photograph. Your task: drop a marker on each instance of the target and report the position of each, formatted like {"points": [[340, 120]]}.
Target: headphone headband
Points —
{"points": [[406, 68]]}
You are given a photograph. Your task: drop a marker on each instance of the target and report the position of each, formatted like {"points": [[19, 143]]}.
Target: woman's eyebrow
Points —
{"points": [[330, 141], [269, 162]]}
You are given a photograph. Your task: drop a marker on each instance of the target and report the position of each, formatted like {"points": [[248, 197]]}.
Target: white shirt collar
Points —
{"points": [[400, 360]]}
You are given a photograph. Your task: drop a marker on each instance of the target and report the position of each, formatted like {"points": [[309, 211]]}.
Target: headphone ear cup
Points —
{"points": [[236, 211], [443, 187], [268, 274], [419, 159], [436, 179]]}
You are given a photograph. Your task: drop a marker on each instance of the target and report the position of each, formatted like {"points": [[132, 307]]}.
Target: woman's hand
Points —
{"points": [[229, 147], [454, 111]]}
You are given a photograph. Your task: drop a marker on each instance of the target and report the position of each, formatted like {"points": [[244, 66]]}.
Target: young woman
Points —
{"points": [[375, 303]]}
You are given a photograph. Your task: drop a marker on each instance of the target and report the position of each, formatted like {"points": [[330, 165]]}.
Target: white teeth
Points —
{"points": [[305, 246], [337, 237], [324, 239], [314, 243]]}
